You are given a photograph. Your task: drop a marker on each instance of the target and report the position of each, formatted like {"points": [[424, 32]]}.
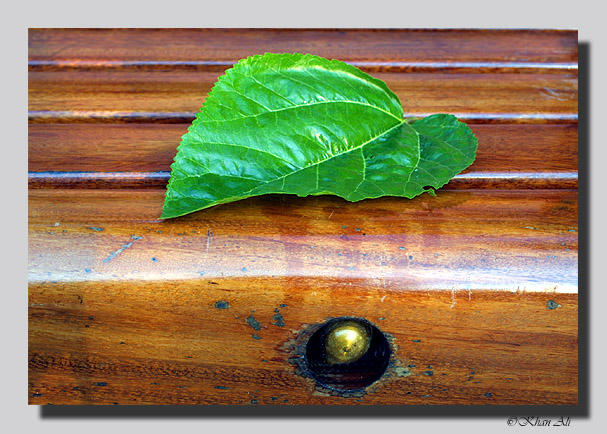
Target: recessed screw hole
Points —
{"points": [[347, 354]]}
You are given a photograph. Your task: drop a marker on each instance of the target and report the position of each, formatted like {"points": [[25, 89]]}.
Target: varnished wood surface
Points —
{"points": [[476, 288], [371, 49], [165, 342], [511, 240], [175, 96], [139, 156], [151, 147]]}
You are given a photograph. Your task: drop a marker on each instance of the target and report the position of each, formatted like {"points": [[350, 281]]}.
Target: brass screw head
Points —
{"points": [[347, 342]]}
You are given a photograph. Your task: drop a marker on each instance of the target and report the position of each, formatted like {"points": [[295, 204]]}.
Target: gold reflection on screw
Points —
{"points": [[347, 342]]}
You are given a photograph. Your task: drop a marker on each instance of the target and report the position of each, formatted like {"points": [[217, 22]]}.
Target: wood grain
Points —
{"points": [[142, 151], [512, 240], [398, 50], [175, 96], [476, 288], [165, 342]]}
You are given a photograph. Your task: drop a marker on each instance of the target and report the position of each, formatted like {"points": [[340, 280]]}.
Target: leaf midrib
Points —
{"points": [[341, 101], [318, 163], [249, 193]]}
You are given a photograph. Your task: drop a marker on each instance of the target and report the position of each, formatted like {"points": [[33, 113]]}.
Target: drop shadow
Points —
{"points": [[306, 411], [584, 226]]}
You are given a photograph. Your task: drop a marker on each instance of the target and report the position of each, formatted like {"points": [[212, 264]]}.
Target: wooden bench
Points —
{"points": [[475, 289]]}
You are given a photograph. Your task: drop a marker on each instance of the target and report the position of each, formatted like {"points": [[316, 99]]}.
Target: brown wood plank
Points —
{"points": [[140, 155], [128, 96], [458, 240], [372, 49], [103, 147], [120, 310], [151, 147], [137, 342]]}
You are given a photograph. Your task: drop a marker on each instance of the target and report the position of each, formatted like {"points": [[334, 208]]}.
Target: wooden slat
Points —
{"points": [[140, 155], [151, 147], [128, 96], [458, 240], [103, 147], [137, 342], [371, 49]]}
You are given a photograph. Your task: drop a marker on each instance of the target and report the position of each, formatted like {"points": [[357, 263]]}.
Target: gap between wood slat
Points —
{"points": [[52, 116], [470, 180], [368, 66]]}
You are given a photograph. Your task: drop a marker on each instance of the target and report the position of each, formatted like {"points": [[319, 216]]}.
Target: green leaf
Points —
{"points": [[301, 124]]}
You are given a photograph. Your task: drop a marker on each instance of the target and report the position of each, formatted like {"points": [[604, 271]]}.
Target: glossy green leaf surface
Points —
{"points": [[305, 125]]}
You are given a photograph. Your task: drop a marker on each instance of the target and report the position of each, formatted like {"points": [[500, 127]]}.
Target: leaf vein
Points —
{"points": [[250, 148], [310, 104], [329, 158]]}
